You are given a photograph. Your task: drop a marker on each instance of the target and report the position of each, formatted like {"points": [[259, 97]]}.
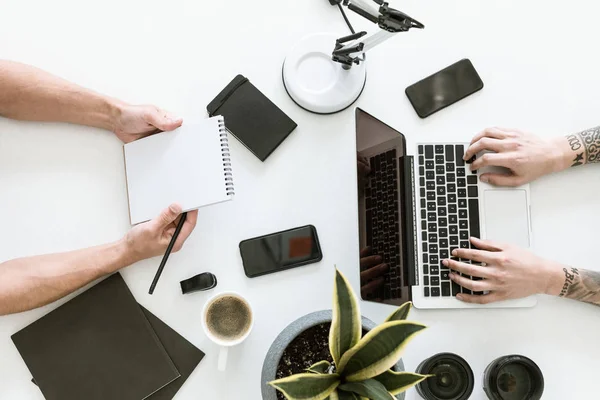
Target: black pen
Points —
{"points": [[168, 252]]}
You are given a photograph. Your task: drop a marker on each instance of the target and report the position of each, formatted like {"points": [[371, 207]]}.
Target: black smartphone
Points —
{"points": [[280, 251], [444, 88]]}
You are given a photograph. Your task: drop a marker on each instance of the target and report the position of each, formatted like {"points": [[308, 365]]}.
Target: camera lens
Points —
{"points": [[453, 378], [513, 377]]}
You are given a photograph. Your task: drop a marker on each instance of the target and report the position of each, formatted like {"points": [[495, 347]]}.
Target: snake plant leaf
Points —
{"points": [[378, 350], [401, 313], [369, 388], [398, 382], [341, 395], [307, 386], [319, 368], [346, 328]]}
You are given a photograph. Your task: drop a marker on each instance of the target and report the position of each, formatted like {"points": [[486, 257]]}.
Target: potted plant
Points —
{"points": [[359, 367]]}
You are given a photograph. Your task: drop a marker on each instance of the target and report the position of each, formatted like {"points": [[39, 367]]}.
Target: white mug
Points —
{"points": [[225, 344]]}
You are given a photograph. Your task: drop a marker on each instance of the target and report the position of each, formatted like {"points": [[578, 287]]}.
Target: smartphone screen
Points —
{"points": [[280, 251], [444, 88]]}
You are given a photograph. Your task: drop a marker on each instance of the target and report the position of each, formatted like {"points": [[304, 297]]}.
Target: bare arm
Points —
{"points": [[585, 147], [527, 157], [510, 272], [579, 284], [32, 282], [30, 94]]}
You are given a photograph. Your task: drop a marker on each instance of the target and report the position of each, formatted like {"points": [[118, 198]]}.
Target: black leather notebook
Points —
{"points": [[251, 117], [185, 355], [97, 346]]}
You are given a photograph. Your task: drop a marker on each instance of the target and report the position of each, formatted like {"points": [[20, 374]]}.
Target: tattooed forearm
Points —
{"points": [[586, 146], [581, 285]]}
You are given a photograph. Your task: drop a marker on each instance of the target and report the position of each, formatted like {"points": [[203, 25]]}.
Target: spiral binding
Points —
{"points": [[227, 170]]}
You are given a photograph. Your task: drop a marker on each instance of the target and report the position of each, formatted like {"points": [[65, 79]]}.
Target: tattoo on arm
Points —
{"points": [[581, 285], [585, 143]]}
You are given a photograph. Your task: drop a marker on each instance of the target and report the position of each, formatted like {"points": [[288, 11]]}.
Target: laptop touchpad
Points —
{"points": [[506, 216]]}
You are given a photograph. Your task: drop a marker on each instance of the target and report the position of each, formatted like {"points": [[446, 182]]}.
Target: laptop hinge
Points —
{"points": [[411, 260]]}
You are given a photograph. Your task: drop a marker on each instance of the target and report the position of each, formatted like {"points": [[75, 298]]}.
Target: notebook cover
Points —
{"points": [[97, 346], [185, 355], [251, 117]]}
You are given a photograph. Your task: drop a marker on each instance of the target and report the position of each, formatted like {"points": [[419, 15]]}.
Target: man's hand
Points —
{"points": [[508, 272], [372, 271], [135, 122], [526, 156], [152, 238]]}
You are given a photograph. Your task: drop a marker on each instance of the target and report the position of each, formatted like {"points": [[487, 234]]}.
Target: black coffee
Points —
{"points": [[228, 318]]}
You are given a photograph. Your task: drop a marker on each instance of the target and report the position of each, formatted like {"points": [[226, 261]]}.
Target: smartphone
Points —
{"points": [[444, 88], [280, 251]]}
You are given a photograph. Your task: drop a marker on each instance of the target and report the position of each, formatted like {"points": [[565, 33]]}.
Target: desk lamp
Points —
{"points": [[326, 81]]}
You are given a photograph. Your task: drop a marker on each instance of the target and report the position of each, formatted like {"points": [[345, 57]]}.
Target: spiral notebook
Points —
{"points": [[190, 166]]}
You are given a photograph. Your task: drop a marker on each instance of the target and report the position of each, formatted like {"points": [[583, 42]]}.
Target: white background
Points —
{"points": [[63, 187]]}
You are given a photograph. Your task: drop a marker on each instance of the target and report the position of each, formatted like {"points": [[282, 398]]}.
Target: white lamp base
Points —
{"points": [[317, 83]]}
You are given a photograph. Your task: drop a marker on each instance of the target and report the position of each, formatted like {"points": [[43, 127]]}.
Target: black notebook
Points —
{"points": [[97, 346], [251, 117], [185, 355]]}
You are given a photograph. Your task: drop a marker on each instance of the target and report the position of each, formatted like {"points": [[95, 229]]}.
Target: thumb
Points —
{"points": [[163, 120], [168, 215], [500, 179]]}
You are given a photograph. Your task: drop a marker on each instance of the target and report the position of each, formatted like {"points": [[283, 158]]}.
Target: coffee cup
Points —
{"points": [[227, 320]]}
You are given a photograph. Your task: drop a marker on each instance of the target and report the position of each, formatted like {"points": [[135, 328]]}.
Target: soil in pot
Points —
{"points": [[309, 347]]}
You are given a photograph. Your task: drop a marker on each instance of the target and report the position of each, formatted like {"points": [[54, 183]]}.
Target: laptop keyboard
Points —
{"points": [[449, 213], [382, 220]]}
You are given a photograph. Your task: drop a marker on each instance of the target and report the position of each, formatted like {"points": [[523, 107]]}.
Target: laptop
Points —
{"points": [[414, 208]]}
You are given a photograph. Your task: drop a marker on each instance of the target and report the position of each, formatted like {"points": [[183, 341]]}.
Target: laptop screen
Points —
{"points": [[384, 262]]}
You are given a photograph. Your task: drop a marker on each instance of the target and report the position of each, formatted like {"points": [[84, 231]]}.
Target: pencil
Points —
{"points": [[167, 253]]}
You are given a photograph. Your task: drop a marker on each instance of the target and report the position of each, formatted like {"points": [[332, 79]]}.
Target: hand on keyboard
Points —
{"points": [[508, 273], [371, 276], [525, 155]]}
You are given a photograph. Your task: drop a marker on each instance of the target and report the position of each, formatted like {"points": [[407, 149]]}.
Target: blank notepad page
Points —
{"points": [[190, 166]]}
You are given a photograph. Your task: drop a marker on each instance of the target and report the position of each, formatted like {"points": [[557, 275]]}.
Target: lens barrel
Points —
{"points": [[453, 378], [513, 377]]}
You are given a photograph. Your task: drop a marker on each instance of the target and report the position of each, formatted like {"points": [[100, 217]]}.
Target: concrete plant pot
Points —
{"points": [[282, 341]]}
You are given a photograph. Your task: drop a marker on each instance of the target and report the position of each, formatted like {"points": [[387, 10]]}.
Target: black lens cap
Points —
{"points": [[453, 378]]}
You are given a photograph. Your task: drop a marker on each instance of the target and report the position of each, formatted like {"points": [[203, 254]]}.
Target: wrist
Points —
{"points": [[554, 279], [114, 110], [562, 156], [127, 252]]}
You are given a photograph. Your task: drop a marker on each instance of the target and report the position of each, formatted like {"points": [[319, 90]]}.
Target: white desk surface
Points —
{"points": [[63, 187]]}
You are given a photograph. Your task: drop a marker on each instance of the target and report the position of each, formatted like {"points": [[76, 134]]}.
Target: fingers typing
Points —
{"points": [[467, 269]]}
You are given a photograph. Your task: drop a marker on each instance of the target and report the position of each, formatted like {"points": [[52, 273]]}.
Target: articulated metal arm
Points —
{"points": [[349, 48]]}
